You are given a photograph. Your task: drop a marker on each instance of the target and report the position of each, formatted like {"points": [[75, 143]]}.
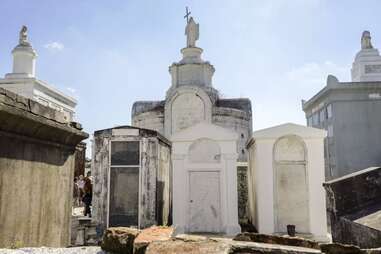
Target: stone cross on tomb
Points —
{"points": [[187, 13]]}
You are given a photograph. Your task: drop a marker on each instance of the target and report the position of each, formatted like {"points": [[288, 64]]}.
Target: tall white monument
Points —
{"points": [[24, 58], [367, 64], [22, 80], [208, 135]]}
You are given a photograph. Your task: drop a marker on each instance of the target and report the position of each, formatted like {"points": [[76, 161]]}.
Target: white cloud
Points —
{"points": [[315, 74], [73, 92], [54, 46]]}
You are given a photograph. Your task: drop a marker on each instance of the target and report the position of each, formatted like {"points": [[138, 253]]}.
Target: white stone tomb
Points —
{"points": [[285, 177], [205, 180]]}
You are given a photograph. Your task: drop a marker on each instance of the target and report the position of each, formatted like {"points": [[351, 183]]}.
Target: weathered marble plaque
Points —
{"points": [[373, 68], [187, 110]]}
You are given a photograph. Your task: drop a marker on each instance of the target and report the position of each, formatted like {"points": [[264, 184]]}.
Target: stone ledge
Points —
{"points": [[274, 239], [25, 117]]}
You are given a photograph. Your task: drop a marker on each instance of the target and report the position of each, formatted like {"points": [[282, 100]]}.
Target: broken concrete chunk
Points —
{"points": [[273, 239], [119, 240], [149, 235]]}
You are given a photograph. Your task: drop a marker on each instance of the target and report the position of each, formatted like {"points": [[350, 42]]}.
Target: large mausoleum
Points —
{"points": [[194, 108]]}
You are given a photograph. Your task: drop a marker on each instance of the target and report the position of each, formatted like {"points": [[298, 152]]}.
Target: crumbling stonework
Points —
{"points": [[80, 159], [37, 153], [233, 114], [154, 184], [242, 194], [274, 239], [119, 240], [353, 203]]}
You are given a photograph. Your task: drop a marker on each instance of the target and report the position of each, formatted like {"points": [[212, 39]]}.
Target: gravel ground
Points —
{"points": [[45, 250]]}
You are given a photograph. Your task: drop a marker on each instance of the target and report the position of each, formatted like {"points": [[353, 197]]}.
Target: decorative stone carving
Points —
{"points": [[192, 33], [23, 40], [366, 42]]}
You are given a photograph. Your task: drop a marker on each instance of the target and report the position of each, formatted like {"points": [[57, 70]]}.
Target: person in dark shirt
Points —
{"points": [[88, 196]]}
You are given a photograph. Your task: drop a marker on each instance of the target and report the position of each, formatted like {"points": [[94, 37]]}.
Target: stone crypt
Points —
{"points": [[132, 178], [193, 104], [205, 180], [286, 176]]}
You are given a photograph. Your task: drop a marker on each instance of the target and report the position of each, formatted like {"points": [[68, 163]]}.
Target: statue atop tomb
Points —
{"points": [[192, 33], [366, 42], [23, 40]]}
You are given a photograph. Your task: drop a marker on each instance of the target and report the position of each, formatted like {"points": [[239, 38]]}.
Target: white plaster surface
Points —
{"points": [[197, 205], [187, 107], [263, 207]]}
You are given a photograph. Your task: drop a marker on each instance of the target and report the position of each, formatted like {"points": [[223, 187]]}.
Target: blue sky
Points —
{"points": [[109, 54]]}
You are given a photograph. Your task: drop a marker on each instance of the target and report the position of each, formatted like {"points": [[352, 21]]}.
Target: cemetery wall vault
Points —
{"points": [[37, 160], [132, 178]]}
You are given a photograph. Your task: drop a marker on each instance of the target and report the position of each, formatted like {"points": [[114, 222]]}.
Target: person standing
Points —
{"points": [[88, 196]]}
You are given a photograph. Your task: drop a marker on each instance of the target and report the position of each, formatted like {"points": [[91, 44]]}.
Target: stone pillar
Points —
{"points": [[232, 226], [179, 198]]}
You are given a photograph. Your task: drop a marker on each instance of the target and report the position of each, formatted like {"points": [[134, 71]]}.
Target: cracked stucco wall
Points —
{"points": [[37, 151]]}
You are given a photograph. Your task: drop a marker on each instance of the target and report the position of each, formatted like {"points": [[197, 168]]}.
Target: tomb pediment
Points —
{"points": [[289, 129]]}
